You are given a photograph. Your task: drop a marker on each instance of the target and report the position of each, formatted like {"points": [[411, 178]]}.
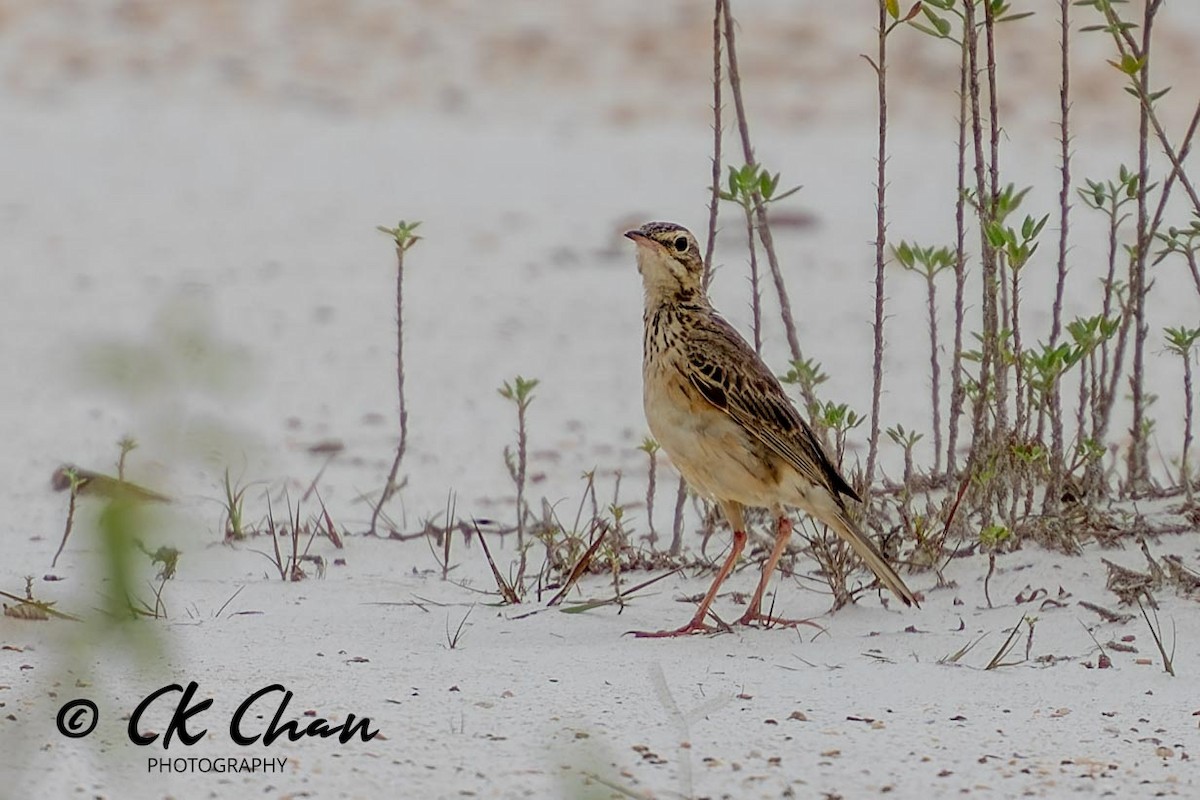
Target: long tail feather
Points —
{"points": [[870, 554]]}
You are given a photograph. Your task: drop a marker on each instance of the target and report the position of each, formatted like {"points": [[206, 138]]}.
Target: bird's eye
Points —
{"points": [[681, 244]]}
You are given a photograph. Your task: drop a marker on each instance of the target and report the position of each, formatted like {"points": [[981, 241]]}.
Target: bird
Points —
{"points": [[725, 421]]}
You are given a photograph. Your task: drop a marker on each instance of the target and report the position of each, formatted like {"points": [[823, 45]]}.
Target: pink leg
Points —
{"points": [[754, 610], [697, 623]]}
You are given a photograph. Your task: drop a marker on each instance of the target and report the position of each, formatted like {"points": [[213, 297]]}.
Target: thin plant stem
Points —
{"points": [[390, 487], [1111, 361], [1189, 406], [522, 444], [999, 364], [1022, 406], [1064, 190], [677, 527], [70, 519], [957, 390], [755, 292], [1138, 464], [1054, 400], [520, 392], [651, 488], [1087, 369], [448, 531], [935, 370], [880, 243], [1054, 491], [1127, 45], [1185, 147], [980, 437], [715, 196], [760, 209], [1194, 268]]}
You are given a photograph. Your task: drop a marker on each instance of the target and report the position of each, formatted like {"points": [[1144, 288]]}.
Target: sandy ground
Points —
{"points": [[187, 244]]}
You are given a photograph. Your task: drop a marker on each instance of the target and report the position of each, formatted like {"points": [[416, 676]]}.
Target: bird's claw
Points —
{"points": [[694, 627], [766, 621]]}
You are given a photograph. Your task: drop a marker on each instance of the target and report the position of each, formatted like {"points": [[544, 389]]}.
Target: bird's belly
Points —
{"points": [[713, 453]]}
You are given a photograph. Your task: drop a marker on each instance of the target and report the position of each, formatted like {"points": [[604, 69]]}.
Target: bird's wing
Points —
{"points": [[730, 375]]}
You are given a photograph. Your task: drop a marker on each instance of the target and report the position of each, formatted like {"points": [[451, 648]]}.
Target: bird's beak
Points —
{"points": [[638, 237]]}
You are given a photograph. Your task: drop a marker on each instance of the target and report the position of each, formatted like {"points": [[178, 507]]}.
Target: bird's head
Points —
{"points": [[668, 257]]}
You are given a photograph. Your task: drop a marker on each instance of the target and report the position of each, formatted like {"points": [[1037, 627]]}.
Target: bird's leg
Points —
{"points": [[754, 610], [697, 623]]}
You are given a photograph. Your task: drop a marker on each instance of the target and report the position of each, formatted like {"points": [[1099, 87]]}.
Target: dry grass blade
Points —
{"points": [[41, 606], [1006, 648], [312, 486], [225, 605], [1105, 614], [1156, 632], [74, 485], [330, 529], [957, 656], [616, 787], [507, 593], [274, 539], [448, 531], [1105, 661], [962, 490], [452, 640], [581, 565], [579, 608]]}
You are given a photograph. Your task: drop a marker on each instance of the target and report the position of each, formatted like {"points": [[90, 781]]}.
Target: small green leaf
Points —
{"points": [[1155, 96], [1129, 64], [996, 235]]}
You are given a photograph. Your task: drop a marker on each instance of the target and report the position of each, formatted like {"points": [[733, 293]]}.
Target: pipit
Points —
{"points": [[725, 421]]}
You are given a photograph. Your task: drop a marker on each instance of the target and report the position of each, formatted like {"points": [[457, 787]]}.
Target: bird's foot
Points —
{"points": [[756, 619], [697, 625]]}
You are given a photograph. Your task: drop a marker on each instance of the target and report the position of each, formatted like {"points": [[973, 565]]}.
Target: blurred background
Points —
{"points": [[192, 187], [616, 63]]}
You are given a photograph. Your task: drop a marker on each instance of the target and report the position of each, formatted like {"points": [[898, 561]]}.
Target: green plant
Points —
{"points": [[1010, 643], [74, 482], [888, 20], [762, 223], [750, 186], [520, 393], [930, 262], [1182, 342], [403, 236], [991, 539], [1184, 241], [1134, 62], [650, 448], [807, 375], [126, 445], [907, 440], [235, 496], [841, 419]]}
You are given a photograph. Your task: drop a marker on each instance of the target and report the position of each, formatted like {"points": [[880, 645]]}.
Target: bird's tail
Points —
{"points": [[870, 554]]}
